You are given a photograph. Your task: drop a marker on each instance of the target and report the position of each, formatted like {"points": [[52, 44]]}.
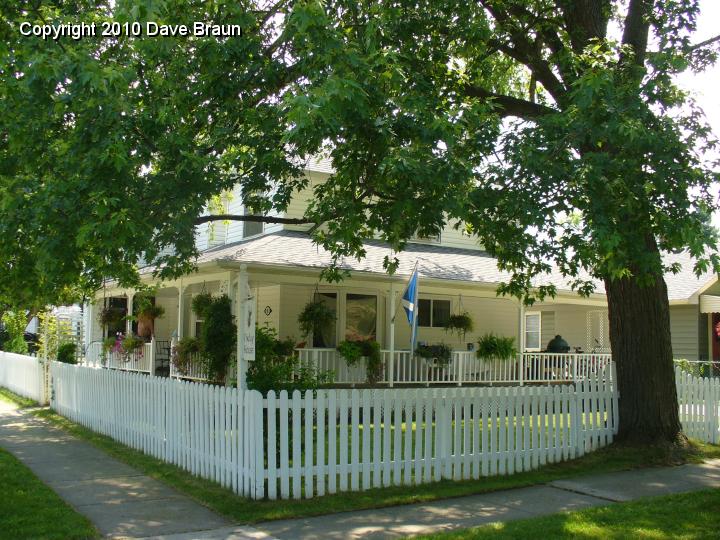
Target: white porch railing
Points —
{"points": [[94, 355], [464, 368], [196, 370], [141, 359]]}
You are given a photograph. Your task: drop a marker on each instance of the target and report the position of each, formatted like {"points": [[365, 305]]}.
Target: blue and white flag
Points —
{"points": [[410, 304]]}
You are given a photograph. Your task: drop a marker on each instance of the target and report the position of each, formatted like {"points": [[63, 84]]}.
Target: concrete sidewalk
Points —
{"points": [[118, 499], [475, 510], [124, 503]]}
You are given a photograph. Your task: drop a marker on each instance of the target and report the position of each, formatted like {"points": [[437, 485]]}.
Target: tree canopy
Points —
{"points": [[523, 119]]}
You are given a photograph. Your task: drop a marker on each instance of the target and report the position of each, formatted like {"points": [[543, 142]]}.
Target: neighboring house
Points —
{"points": [[279, 265]]}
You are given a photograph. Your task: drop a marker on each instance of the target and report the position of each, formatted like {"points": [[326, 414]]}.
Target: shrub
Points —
{"points": [[275, 370], [492, 347], [15, 323], [66, 353], [218, 336]]}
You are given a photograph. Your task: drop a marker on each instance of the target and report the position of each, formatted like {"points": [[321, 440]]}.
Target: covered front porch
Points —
{"points": [[363, 307]]}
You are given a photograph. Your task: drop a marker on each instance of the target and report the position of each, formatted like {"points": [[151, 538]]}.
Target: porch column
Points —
{"points": [[521, 343], [245, 319], [710, 336], [88, 330], [391, 367], [181, 310], [128, 322]]}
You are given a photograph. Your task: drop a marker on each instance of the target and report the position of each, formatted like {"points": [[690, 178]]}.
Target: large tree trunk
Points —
{"points": [[640, 339]]}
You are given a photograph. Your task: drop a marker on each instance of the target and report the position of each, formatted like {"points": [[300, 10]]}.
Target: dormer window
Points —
{"points": [[251, 228]]}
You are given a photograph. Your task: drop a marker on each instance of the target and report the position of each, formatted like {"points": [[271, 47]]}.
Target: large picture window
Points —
{"points": [[433, 313], [533, 339], [360, 317]]}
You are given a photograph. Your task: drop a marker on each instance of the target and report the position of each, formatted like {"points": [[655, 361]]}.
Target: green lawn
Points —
{"points": [[30, 509], [224, 501], [687, 516]]}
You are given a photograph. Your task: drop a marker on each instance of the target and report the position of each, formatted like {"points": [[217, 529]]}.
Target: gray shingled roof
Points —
{"points": [[296, 249], [685, 283]]}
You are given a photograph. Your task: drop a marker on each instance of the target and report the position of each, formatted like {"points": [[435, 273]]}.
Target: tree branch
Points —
{"points": [[510, 106], [525, 51], [256, 219], [702, 44], [637, 27]]}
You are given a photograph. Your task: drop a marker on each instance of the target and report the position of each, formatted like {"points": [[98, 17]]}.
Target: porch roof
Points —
{"points": [[685, 285], [296, 250]]}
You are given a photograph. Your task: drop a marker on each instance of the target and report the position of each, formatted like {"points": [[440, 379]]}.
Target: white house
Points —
{"points": [[278, 267]]}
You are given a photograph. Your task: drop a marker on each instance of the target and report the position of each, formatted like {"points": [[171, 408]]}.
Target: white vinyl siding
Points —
{"points": [[684, 330]]}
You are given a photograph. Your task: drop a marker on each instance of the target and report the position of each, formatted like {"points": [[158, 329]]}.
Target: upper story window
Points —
{"points": [[433, 313], [251, 228]]}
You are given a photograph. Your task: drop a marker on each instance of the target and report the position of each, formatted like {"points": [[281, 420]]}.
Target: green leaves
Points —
{"points": [[506, 116]]}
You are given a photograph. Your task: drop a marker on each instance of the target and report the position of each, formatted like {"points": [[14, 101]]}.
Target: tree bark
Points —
{"points": [[642, 350]]}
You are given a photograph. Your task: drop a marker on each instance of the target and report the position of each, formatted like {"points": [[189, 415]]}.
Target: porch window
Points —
{"points": [[533, 337], [360, 317], [327, 337], [433, 313]]}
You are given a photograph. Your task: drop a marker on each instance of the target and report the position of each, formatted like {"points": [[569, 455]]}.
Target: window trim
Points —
{"points": [[341, 320], [539, 332], [432, 299]]}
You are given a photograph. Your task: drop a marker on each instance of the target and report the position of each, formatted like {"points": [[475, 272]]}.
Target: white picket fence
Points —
{"points": [[699, 400], [294, 446], [23, 375]]}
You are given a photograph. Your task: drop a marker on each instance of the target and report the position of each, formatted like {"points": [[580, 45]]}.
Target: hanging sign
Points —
{"points": [[249, 316]]}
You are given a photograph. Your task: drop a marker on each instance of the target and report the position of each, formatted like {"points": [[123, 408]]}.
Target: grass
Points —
{"points": [[242, 510], [30, 509], [686, 516]]}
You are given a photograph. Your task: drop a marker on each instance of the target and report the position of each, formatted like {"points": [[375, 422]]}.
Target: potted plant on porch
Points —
{"points": [[460, 323], [315, 317], [369, 349], [439, 354], [146, 314], [492, 347]]}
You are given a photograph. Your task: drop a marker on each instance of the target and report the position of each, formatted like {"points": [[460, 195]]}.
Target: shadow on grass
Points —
{"points": [[685, 516]]}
